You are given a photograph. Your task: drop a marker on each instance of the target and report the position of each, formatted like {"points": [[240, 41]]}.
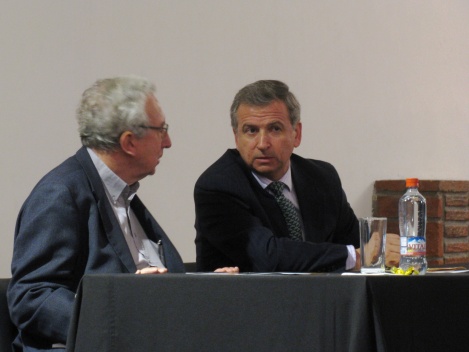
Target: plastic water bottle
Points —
{"points": [[412, 226]]}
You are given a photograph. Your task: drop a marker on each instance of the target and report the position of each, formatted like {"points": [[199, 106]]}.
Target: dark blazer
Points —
{"points": [[65, 229], [239, 223]]}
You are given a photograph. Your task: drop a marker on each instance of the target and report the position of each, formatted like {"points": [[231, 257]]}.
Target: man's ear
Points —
{"points": [[297, 141], [127, 142], [235, 133]]}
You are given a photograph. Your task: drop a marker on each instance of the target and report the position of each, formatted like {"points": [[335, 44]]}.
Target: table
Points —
{"points": [[318, 312], [423, 313]]}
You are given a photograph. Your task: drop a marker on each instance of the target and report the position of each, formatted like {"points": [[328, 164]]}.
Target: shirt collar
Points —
{"points": [[286, 179], [114, 185]]}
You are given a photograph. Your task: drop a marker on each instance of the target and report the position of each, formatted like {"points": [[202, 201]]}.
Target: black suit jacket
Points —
{"points": [[65, 229], [239, 223]]}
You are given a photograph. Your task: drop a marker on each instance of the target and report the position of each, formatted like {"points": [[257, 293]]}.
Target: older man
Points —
{"points": [[84, 216]]}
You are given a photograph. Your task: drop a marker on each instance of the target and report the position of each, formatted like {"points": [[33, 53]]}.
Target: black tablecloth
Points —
{"points": [[422, 313], [270, 313]]}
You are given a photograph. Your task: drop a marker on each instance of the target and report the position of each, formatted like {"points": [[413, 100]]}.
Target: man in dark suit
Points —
{"points": [[84, 216], [242, 220]]}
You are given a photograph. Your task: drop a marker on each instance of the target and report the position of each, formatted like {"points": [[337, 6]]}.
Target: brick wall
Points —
{"points": [[447, 216]]}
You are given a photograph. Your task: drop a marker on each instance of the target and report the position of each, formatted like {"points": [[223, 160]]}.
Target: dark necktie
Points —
{"points": [[289, 211]]}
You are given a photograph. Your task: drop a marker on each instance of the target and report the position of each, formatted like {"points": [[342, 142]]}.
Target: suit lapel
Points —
{"points": [[273, 217], [108, 218], [310, 199], [273, 213], [155, 233]]}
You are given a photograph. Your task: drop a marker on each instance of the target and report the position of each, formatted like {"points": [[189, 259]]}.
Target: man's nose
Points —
{"points": [[167, 141], [264, 140]]}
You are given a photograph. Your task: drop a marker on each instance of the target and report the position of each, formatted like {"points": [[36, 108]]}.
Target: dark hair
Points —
{"points": [[262, 93]]}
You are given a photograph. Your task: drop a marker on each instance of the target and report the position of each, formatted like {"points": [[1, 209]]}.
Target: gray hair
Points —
{"points": [[262, 93], [110, 107]]}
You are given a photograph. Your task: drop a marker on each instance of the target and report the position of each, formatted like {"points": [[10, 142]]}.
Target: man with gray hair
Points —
{"points": [[262, 208], [84, 216]]}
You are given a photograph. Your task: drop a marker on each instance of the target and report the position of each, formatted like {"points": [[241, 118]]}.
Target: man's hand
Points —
{"points": [[156, 270], [372, 249], [393, 249], [358, 260], [152, 270], [228, 270]]}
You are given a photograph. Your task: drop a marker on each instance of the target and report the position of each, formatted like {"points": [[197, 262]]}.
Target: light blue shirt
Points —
{"points": [[144, 251]]}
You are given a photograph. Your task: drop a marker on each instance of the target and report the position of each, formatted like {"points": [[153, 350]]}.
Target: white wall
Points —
{"points": [[383, 85]]}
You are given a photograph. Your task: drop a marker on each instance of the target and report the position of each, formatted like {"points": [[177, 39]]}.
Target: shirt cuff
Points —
{"points": [[351, 258]]}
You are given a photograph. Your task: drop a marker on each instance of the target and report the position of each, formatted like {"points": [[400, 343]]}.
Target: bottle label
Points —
{"points": [[413, 246]]}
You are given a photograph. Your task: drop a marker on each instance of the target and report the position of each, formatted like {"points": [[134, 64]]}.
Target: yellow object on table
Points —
{"points": [[409, 271]]}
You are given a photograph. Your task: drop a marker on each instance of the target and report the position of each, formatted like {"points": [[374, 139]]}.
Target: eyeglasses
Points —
{"points": [[163, 129]]}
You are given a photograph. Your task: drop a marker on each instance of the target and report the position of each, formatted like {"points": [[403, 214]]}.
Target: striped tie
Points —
{"points": [[289, 211]]}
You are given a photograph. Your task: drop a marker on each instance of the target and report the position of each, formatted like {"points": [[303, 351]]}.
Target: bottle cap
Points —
{"points": [[411, 182]]}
